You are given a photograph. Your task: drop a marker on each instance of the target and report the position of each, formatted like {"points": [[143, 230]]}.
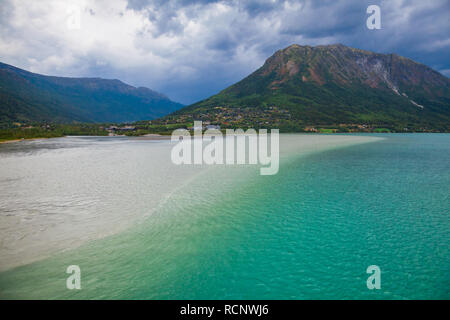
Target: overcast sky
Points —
{"points": [[190, 50]]}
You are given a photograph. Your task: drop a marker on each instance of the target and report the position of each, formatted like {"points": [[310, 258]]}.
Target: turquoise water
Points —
{"points": [[308, 232]]}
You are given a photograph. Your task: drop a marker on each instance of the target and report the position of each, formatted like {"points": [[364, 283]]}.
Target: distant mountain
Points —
{"points": [[29, 97], [331, 85]]}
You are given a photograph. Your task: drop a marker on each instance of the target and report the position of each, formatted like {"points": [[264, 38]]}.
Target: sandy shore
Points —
{"points": [[20, 140], [152, 136], [11, 141], [144, 137]]}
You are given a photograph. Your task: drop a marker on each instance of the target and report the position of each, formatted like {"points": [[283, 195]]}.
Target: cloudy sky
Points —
{"points": [[190, 50]]}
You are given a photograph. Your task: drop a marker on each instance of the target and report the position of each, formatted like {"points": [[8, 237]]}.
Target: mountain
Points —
{"points": [[29, 97], [331, 85]]}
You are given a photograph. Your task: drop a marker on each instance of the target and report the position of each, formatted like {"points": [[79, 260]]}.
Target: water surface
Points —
{"points": [[308, 232]]}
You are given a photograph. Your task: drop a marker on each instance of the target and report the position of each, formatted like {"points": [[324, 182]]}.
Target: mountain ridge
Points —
{"points": [[30, 97], [333, 84]]}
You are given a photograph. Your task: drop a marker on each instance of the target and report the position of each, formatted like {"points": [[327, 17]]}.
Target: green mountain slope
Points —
{"points": [[29, 97], [331, 85]]}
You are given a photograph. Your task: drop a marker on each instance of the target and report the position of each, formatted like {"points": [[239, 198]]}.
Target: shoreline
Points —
{"points": [[27, 139], [155, 136], [151, 136], [11, 141]]}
